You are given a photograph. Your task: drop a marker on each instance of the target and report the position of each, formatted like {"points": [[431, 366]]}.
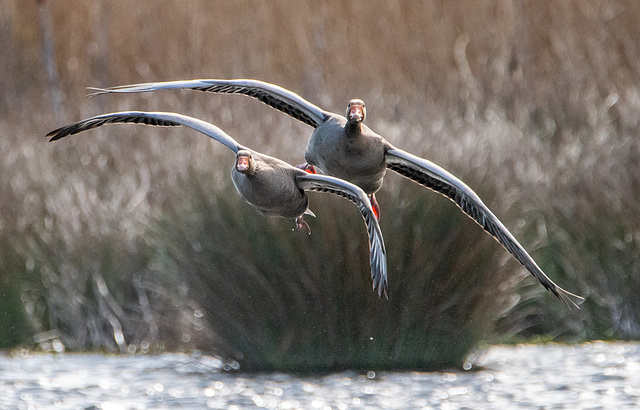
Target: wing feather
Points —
{"points": [[270, 94], [162, 119], [378, 254], [439, 180]]}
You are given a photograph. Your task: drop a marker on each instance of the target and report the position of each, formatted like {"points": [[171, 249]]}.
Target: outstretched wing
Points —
{"points": [[438, 179], [378, 257], [270, 94], [162, 119]]}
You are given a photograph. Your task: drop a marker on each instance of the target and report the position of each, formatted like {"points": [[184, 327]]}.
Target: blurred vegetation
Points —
{"points": [[131, 238], [278, 299]]}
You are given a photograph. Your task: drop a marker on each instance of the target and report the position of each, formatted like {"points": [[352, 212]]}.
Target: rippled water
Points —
{"points": [[589, 376]]}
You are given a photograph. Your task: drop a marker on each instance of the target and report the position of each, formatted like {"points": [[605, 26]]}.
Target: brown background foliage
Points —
{"points": [[533, 103]]}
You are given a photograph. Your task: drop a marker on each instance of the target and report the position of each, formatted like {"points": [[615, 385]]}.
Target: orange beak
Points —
{"points": [[242, 164], [355, 112]]}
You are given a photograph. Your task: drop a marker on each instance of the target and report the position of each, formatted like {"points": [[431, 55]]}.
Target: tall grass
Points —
{"points": [[129, 237], [278, 299]]}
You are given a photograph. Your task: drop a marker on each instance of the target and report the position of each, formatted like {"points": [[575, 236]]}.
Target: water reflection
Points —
{"points": [[591, 375]]}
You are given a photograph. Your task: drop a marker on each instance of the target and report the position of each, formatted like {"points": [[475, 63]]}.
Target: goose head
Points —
{"points": [[356, 111], [245, 162]]}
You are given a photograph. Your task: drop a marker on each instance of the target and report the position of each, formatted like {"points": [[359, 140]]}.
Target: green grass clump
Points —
{"points": [[14, 326], [279, 300]]}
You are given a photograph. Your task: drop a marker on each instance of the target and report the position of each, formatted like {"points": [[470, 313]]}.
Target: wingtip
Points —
{"points": [[52, 136], [381, 289], [96, 91], [571, 300]]}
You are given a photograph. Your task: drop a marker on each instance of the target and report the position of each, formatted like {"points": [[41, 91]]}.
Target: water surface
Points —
{"points": [[587, 376]]}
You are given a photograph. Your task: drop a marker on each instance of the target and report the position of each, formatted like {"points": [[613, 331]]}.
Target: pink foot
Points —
{"points": [[302, 224]]}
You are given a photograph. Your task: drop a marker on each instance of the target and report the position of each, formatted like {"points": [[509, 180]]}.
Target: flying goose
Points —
{"points": [[271, 186], [346, 148]]}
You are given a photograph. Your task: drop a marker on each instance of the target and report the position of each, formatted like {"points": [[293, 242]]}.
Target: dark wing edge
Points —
{"points": [[162, 119], [377, 250], [432, 176], [274, 96]]}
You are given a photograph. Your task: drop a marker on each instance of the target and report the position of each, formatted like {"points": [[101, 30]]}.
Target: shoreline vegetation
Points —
{"points": [[132, 236]]}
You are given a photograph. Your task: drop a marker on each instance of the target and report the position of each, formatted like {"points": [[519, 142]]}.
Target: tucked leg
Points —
{"points": [[374, 205], [306, 167]]}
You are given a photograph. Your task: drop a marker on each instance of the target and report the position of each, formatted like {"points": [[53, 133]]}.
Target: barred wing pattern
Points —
{"points": [[162, 119], [439, 180], [377, 257], [270, 94]]}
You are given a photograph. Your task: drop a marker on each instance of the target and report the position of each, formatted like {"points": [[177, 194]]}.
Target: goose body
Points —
{"points": [[340, 152], [346, 148], [271, 186]]}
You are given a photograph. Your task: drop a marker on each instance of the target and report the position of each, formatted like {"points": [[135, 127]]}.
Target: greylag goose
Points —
{"points": [[346, 148], [271, 186]]}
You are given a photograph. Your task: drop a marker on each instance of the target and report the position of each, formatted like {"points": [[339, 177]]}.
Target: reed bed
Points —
{"points": [[131, 238], [278, 299]]}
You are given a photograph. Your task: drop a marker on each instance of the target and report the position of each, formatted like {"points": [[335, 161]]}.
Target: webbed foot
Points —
{"points": [[302, 224]]}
